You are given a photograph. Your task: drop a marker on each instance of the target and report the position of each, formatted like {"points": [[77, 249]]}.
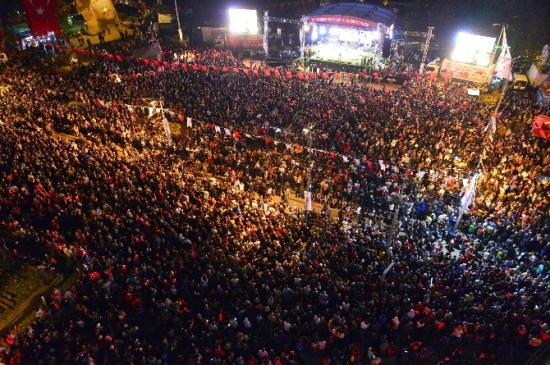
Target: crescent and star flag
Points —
{"points": [[42, 17]]}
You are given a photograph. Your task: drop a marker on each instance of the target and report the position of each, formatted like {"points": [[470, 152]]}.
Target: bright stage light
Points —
{"points": [[322, 30], [243, 21], [334, 31], [349, 35], [314, 34], [473, 49], [306, 27]]}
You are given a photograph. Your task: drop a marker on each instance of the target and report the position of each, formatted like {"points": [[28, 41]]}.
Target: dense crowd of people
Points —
{"points": [[185, 258]]}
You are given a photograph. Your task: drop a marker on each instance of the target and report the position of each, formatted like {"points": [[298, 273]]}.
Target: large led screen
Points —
{"points": [[473, 49], [243, 21]]}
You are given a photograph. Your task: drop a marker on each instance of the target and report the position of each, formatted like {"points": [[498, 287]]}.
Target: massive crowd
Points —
{"points": [[185, 258]]}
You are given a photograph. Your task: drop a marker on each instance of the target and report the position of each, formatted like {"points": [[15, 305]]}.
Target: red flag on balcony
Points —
{"points": [[42, 17]]}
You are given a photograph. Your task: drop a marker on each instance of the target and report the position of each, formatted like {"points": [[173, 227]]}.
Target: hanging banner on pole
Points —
{"points": [[167, 131]]}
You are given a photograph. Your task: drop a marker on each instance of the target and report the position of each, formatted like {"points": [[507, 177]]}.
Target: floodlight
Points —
{"points": [[473, 49], [314, 34], [243, 21]]}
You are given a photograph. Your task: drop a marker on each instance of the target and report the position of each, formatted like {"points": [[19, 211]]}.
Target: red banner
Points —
{"points": [[348, 21], [42, 17], [244, 41]]}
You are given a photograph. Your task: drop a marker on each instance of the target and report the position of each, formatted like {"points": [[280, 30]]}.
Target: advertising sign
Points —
{"points": [[244, 41], [467, 72]]}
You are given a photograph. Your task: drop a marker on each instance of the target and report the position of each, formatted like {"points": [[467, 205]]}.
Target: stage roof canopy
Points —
{"points": [[359, 15]]}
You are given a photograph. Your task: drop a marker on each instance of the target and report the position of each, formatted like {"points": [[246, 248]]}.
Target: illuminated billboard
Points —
{"points": [[473, 49], [243, 21]]}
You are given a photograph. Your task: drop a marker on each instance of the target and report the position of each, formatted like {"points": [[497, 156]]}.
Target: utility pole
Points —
{"points": [[467, 198], [178, 19], [308, 179], [397, 202]]}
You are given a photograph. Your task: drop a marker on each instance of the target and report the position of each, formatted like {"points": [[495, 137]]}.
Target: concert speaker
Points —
{"points": [[386, 48]]}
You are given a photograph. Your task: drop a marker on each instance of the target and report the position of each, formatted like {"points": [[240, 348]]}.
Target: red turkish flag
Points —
{"points": [[42, 17]]}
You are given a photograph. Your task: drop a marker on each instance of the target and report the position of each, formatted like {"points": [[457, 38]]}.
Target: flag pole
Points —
{"points": [[466, 199], [308, 179]]}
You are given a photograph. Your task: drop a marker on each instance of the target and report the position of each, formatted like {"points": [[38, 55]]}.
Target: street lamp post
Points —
{"points": [[180, 33], [308, 177]]}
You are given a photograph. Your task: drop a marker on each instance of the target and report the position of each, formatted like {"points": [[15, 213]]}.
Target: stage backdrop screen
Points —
{"points": [[473, 49], [243, 21]]}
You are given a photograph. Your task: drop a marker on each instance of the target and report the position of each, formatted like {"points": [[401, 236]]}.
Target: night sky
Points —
{"points": [[526, 19]]}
